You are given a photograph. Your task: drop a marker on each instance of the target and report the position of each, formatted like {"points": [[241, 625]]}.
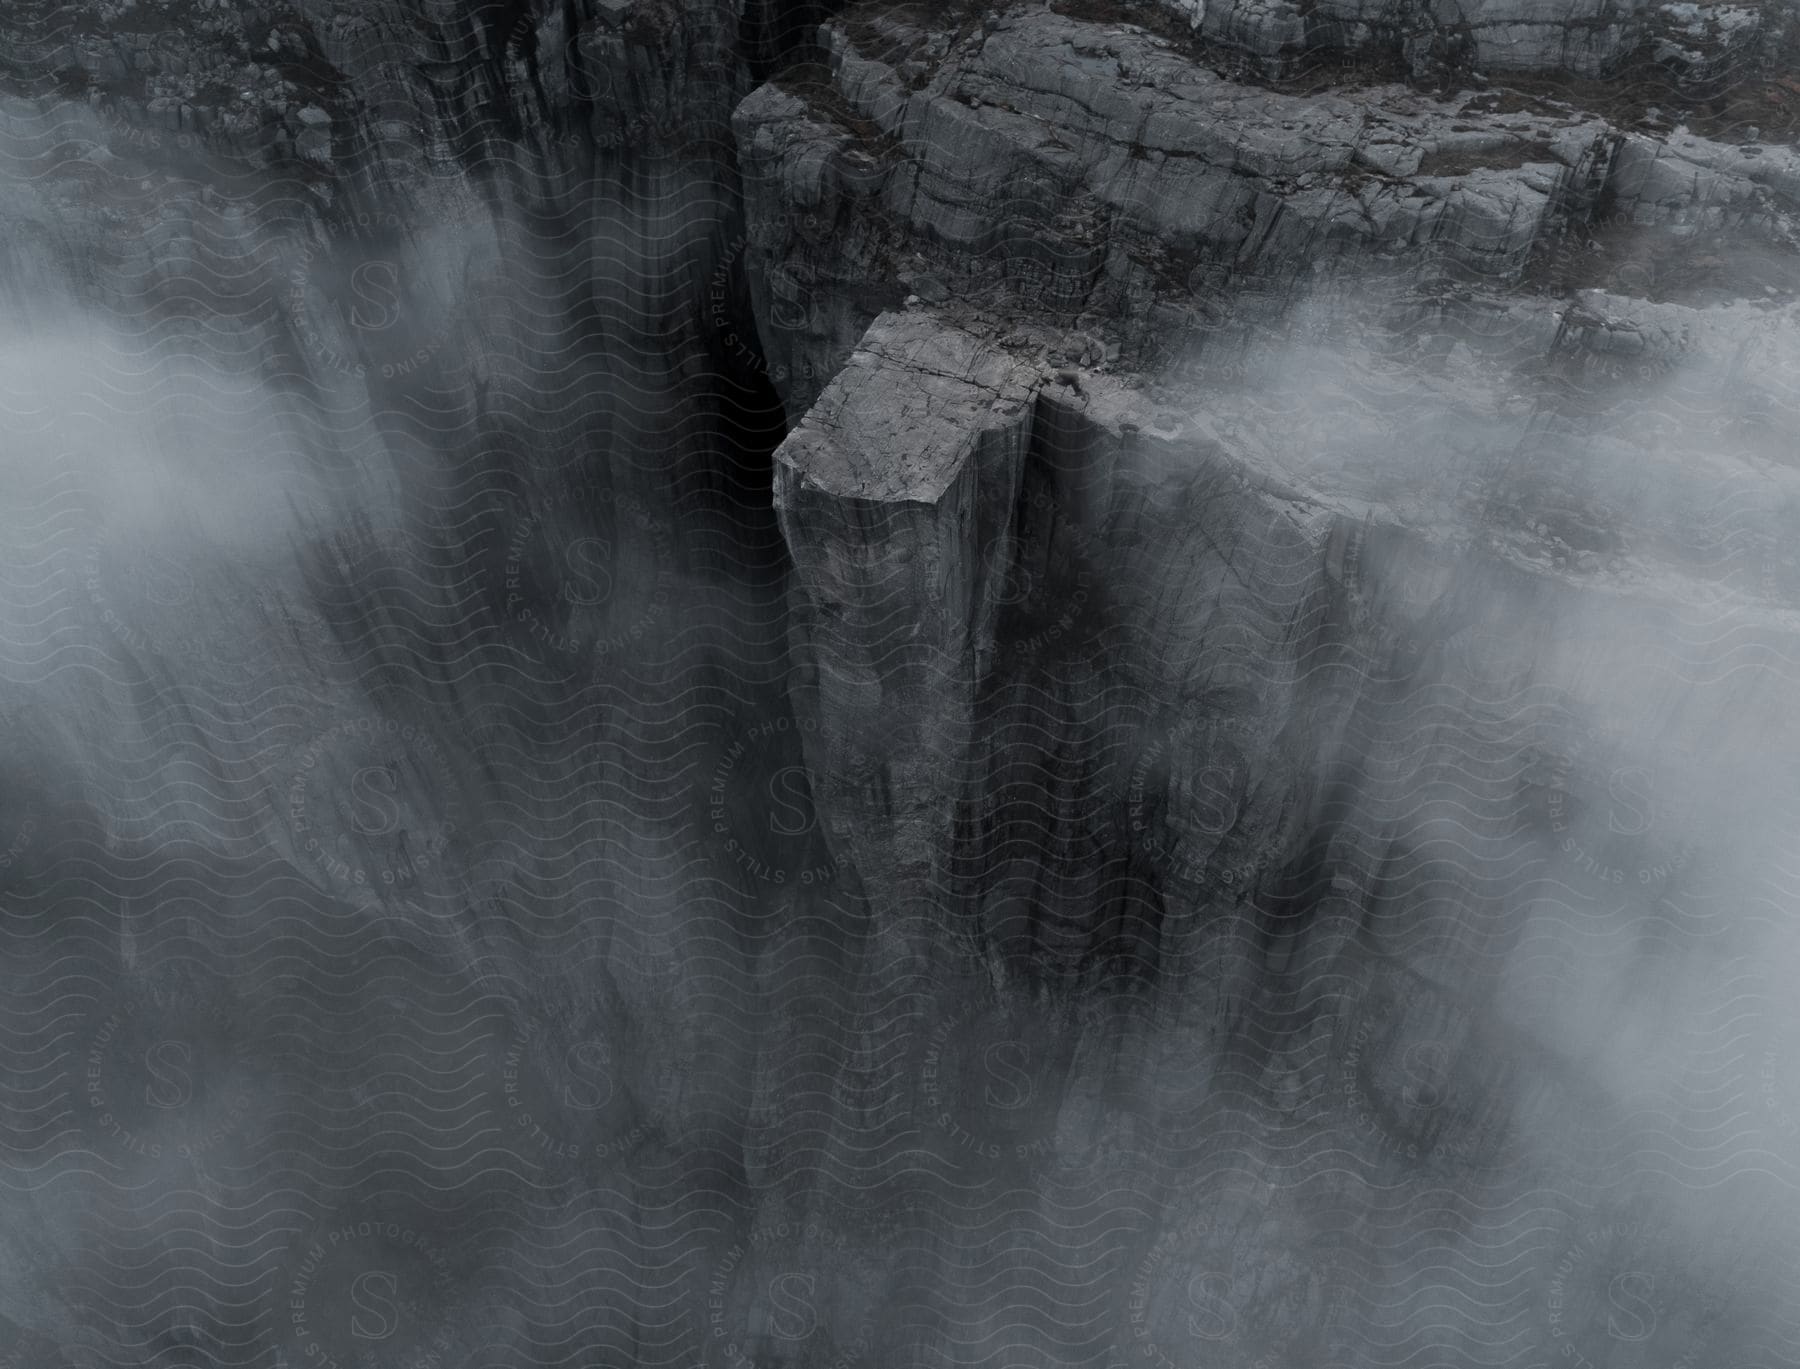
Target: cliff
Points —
{"points": [[721, 685], [1343, 603], [1102, 175]]}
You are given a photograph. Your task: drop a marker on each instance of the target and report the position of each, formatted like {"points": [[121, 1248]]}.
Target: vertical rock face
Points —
{"points": [[898, 580], [1352, 756], [1236, 580], [1091, 199], [1365, 649], [376, 418]]}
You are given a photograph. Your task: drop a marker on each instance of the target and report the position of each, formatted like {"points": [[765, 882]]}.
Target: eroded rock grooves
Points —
{"points": [[1070, 684]]}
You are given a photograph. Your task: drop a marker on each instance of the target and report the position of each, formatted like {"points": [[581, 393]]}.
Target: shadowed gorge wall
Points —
{"points": [[753, 686]]}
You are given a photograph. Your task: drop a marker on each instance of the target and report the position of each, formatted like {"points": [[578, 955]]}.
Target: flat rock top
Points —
{"points": [[1036, 73], [1332, 427], [898, 422]]}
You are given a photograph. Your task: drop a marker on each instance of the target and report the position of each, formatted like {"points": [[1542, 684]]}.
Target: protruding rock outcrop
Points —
{"points": [[1335, 608], [896, 497]]}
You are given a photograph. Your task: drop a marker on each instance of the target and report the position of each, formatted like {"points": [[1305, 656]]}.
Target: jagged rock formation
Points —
{"points": [[1098, 173], [937, 460], [1338, 608], [1089, 195], [1585, 39]]}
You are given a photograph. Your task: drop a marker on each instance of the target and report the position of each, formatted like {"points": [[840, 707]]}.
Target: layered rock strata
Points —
{"points": [[1099, 174]]}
